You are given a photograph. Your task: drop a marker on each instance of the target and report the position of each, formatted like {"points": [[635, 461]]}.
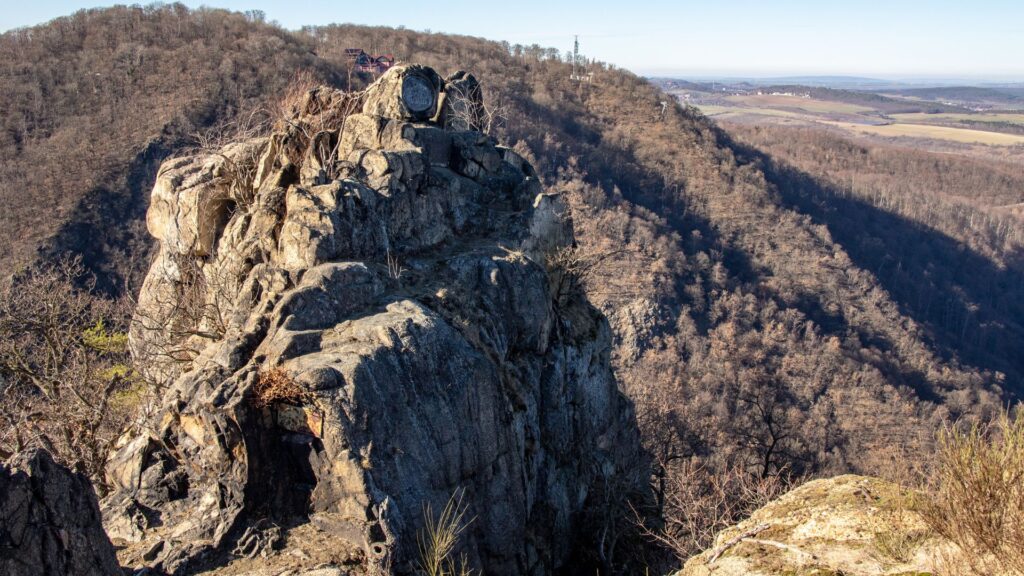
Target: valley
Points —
{"points": [[885, 116]]}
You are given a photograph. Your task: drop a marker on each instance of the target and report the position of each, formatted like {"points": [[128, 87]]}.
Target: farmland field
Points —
{"points": [[999, 129], [732, 111], [964, 135], [922, 118], [813, 105], [979, 128]]}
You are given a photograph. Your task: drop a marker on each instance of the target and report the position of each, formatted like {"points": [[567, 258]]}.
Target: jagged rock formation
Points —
{"points": [[50, 521], [355, 320], [850, 525]]}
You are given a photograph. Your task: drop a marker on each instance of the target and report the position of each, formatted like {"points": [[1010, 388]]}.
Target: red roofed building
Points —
{"points": [[363, 62]]}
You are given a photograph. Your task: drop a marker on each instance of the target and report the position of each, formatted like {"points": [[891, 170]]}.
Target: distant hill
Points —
{"points": [[761, 317], [877, 100], [1009, 97], [92, 103], [844, 82], [850, 82]]}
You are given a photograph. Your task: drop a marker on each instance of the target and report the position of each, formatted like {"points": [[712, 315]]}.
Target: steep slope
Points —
{"points": [[744, 327], [376, 334], [753, 324]]}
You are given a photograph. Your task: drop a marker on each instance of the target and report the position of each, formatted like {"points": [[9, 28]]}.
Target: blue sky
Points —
{"points": [[980, 39]]}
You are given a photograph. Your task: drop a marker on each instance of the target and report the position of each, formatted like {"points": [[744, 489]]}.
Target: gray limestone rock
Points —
{"points": [[50, 521]]}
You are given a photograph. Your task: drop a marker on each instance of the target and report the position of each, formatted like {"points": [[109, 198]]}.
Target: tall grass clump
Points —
{"points": [[978, 502], [440, 537]]}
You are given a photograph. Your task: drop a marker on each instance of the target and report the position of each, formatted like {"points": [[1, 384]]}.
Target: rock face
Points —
{"points": [[50, 521], [355, 320], [849, 525]]}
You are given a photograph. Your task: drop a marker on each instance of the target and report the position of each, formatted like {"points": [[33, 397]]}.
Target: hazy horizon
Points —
{"points": [[914, 39]]}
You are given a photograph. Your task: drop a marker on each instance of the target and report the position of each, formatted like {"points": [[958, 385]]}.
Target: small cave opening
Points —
{"points": [[219, 213], [283, 466]]}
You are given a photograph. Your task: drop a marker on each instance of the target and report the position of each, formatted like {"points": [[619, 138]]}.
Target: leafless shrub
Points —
{"points": [[236, 173], [570, 267], [979, 500], [308, 110], [468, 110], [292, 101], [700, 502], [247, 125], [66, 379], [180, 317]]}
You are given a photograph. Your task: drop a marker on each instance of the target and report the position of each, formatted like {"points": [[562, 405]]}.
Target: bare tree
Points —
{"points": [[467, 109], [701, 502], [66, 381]]}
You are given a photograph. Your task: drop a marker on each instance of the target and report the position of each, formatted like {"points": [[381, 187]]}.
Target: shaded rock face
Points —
{"points": [[50, 521], [354, 320]]}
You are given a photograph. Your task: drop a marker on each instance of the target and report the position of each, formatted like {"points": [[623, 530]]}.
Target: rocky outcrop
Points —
{"points": [[50, 521], [355, 320], [850, 525]]}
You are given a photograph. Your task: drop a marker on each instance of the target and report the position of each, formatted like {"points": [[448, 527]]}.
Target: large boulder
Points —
{"points": [[50, 521], [405, 93], [375, 332]]}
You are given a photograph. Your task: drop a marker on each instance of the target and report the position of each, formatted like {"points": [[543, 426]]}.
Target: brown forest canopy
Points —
{"points": [[764, 317]]}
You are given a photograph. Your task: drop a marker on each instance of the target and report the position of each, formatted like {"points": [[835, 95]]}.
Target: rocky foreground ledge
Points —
{"points": [[843, 526], [49, 521], [355, 318]]}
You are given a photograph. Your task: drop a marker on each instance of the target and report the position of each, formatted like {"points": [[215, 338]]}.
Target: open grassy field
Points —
{"points": [[717, 111], [997, 131], [994, 117], [812, 105], [798, 103], [963, 135]]}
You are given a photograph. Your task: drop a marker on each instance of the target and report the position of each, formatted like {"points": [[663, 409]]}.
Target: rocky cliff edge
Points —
{"points": [[356, 317]]}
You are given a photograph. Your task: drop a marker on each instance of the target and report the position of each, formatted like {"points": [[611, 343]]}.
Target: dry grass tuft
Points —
{"points": [[898, 545], [979, 501], [275, 386], [439, 538]]}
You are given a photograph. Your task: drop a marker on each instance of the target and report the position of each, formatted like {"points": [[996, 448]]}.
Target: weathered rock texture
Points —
{"points": [[50, 521], [355, 319], [849, 525]]}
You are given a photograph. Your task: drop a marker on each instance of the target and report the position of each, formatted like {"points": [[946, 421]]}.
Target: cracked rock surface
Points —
{"points": [[50, 521]]}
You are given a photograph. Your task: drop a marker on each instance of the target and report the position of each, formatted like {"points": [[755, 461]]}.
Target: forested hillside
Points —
{"points": [[92, 103], [765, 323]]}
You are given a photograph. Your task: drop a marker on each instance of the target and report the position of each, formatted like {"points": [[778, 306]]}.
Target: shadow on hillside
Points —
{"points": [[616, 167], [107, 228], [970, 308]]}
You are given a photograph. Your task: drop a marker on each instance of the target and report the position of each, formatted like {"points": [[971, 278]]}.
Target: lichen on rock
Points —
{"points": [[849, 525], [394, 271]]}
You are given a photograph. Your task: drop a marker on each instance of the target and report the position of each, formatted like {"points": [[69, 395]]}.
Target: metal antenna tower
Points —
{"points": [[575, 56]]}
